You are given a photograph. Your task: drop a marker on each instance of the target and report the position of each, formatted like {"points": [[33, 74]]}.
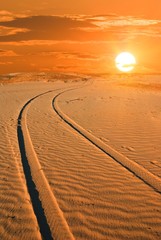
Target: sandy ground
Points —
{"points": [[80, 159]]}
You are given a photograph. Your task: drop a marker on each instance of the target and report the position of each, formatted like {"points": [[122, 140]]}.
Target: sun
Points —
{"points": [[125, 62]]}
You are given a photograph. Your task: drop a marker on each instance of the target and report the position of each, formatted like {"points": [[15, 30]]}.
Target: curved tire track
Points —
{"points": [[139, 171], [50, 218]]}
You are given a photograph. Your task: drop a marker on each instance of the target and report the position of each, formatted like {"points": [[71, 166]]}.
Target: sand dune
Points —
{"points": [[76, 161]]}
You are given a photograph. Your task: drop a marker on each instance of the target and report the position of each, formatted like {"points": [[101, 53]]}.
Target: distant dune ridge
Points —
{"points": [[80, 157]]}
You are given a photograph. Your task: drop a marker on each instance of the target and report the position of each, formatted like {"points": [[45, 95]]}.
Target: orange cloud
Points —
{"points": [[113, 20], [9, 16], [7, 53], [71, 55], [78, 28], [6, 31], [6, 63]]}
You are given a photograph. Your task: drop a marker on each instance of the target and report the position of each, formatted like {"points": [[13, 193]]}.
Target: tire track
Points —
{"points": [[52, 224], [139, 171]]}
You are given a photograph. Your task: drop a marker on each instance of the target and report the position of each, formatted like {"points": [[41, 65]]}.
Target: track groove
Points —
{"points": [[34, 194], [139, 171], [52, 224]]}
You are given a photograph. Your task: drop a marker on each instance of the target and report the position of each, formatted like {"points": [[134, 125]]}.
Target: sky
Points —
{"points": [[79, 36]]}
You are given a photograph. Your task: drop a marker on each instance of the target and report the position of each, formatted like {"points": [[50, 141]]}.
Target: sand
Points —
{"points": [[80, 159]]}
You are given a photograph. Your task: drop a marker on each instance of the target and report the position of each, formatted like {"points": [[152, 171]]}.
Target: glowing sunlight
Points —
{"points": [[125, 62]]}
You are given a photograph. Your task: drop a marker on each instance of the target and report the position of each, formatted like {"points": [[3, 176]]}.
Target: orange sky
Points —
{"points": [[80, 36]]}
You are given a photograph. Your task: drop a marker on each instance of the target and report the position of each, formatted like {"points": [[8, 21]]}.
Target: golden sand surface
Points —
{"points": [[79, 159]]}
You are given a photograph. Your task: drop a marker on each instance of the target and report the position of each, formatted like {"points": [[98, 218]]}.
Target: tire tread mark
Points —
{"points": [[52, 224], [139, 171], [34, 194]]}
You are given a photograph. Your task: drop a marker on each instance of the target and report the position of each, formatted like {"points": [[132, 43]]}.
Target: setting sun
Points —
{"points": [[125, 62]]}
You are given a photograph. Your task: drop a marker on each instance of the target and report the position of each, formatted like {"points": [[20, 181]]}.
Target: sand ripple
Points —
{"points": [[99, 198]]}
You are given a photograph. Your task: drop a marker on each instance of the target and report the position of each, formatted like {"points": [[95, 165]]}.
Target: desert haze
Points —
{"points": [[80, 156]]}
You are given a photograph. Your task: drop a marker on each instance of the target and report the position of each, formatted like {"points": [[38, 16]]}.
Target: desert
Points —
{"points": [[80, 156]]}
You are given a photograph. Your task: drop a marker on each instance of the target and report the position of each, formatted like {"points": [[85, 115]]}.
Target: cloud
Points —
{"points": [[31, 43], [9, 16], [7, 53], [6, 31], [45, 28], [151, 33], [64, 67], [110, 21], [6, 63], [83, 56], [71, 55], [41, 30], [6, 16]]}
